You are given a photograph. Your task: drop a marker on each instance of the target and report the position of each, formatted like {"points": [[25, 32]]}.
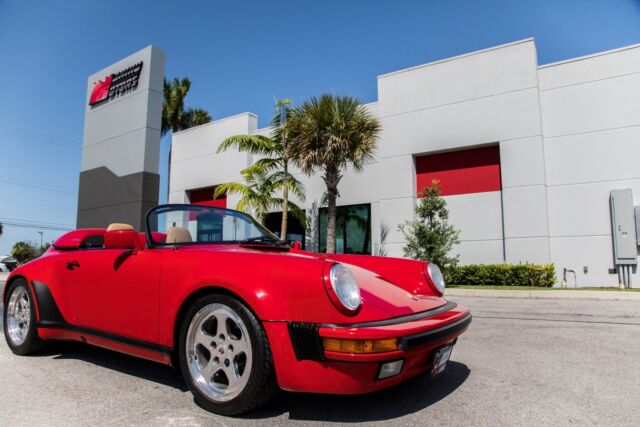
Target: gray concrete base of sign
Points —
{"points": [[105, 197]]}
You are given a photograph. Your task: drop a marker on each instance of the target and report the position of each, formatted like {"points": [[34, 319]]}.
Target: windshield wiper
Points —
{"points": [[263, 239]]}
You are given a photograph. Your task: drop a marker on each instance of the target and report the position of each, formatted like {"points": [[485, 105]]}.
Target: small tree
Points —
{"points": [[24, 252], [274, 162], [42, 249], [256, 193], [429, 236], [175, 116], [328, 134]]}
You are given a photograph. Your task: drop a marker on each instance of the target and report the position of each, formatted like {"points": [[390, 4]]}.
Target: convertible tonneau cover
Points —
{"points": [[74, 239]]}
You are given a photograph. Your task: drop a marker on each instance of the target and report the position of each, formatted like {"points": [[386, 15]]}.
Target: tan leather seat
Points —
{"points": [[116, 226], [178, 235]]}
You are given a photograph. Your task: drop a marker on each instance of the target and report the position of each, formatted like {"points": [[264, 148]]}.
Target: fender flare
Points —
{"points": [[186, 303]]}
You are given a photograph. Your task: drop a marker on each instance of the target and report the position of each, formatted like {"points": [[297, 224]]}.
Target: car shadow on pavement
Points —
{"points": [[406, 398], [118, 362]]}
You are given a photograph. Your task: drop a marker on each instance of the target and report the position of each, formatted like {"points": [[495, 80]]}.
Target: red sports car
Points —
{"points": [[242, 314]]}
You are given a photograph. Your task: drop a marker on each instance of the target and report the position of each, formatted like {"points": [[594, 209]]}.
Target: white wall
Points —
{"points": [[591, 122], [195, 162], [568, 134], [481, 98]]}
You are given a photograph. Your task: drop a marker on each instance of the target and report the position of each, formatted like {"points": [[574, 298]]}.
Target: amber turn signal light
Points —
{"points": [[360, 346]]}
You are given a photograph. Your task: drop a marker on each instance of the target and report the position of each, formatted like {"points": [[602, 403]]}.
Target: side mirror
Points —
{"points": [[297, 245], [122, 239]]}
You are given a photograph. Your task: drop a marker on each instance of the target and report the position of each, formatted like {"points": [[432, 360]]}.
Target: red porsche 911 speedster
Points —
{"points": [[241, 313]]}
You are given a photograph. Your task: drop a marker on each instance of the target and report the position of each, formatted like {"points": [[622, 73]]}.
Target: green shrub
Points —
{"points": [[502, 275]]}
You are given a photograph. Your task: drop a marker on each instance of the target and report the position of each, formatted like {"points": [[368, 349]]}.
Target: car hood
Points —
{"points": [[389, 296], [390, 287]]}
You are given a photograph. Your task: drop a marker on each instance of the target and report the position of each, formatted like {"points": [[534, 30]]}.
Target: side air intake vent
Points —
{"points": [[306, 341]]}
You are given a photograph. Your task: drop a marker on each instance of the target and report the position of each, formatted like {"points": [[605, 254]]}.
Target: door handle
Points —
{"points": [[72, 264]]}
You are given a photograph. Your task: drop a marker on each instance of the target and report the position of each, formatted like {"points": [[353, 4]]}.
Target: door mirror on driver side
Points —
{"points": [[122, 239]]}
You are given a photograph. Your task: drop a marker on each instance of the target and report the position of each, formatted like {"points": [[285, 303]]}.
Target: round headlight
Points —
{"points": [[345, 286], [436, 277]]}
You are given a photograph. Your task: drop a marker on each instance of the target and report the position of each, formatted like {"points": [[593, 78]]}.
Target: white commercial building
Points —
{"points": [[527, 156]]}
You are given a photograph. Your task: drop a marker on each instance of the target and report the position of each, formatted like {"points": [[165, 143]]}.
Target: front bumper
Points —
{"points": [[303, 365]]}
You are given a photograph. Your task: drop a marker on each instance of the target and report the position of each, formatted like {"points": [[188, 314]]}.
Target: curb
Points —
{"points": [[577, 295]]}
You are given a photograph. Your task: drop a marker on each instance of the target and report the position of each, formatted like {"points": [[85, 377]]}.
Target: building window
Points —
{"points": [[475, 170], [204, 197], [353, 229], [209, 227], [295, 231]]}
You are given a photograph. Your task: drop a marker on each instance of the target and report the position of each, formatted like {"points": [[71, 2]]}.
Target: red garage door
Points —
{"points": [[476, 170], [204, 197]]}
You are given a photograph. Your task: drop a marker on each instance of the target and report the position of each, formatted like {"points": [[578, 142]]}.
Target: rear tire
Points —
{"points": [[225, 356], [19, 319]]}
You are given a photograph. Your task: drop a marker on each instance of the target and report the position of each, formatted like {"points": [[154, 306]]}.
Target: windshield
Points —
{"points": [[189, 224]]}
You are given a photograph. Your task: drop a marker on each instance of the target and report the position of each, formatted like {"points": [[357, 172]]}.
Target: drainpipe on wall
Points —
{"points": [[504, 238], [564, 276]]}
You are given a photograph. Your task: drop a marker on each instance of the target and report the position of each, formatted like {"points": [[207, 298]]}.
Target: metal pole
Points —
{"points": [[40, 232], [618, 267], [504, 246]]}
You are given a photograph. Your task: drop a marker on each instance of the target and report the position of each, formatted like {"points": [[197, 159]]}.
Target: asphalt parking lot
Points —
{"points": [[522, 362]]}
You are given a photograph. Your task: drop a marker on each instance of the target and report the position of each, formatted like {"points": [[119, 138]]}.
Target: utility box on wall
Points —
{"points": [[637, 215], [625, 249]]}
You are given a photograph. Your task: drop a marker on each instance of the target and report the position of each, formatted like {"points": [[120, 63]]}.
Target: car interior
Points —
{"points": [[173, 235], [178, 235]]}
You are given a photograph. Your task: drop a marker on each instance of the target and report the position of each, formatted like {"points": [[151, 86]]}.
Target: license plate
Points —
{"points": [[440, 359]]}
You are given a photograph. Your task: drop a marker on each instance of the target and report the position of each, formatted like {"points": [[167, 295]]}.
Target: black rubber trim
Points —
{"points": [[306, 340], [51, 318], [413, 341], [106, 335], [396, 320], [66, 248], [47, 307]]}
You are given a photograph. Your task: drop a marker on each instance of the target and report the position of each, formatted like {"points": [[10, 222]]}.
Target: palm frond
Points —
{"points": [[174, 115], [266, 165], [239, 188], [281, 179], [331, 131], [298, 214], [195, 117], [254, 144]]}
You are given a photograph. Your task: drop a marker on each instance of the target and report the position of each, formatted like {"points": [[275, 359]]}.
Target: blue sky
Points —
{"points": [[240, 55]]}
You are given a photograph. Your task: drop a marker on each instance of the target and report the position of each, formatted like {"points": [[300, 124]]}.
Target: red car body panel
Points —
{"points": [[65, 335], [339, 374], [131, 301]]}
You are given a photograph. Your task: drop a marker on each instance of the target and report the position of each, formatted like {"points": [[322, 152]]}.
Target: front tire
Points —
{"points": [[225, 356], [20, 319]]}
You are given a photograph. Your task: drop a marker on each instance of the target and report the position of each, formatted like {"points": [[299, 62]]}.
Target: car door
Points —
{"points": [[115, 291]]}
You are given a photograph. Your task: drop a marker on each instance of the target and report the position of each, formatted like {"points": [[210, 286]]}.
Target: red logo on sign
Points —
{"points": [[100, 90]]}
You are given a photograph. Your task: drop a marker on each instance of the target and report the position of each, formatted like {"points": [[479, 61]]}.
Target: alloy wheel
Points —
{"points": [[219, 352], [18, 315]]}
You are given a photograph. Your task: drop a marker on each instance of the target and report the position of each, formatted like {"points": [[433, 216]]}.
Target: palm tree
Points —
{"points": [[257, 194], [174, 115], [195, 117], [274, 161], [328, 133]]}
